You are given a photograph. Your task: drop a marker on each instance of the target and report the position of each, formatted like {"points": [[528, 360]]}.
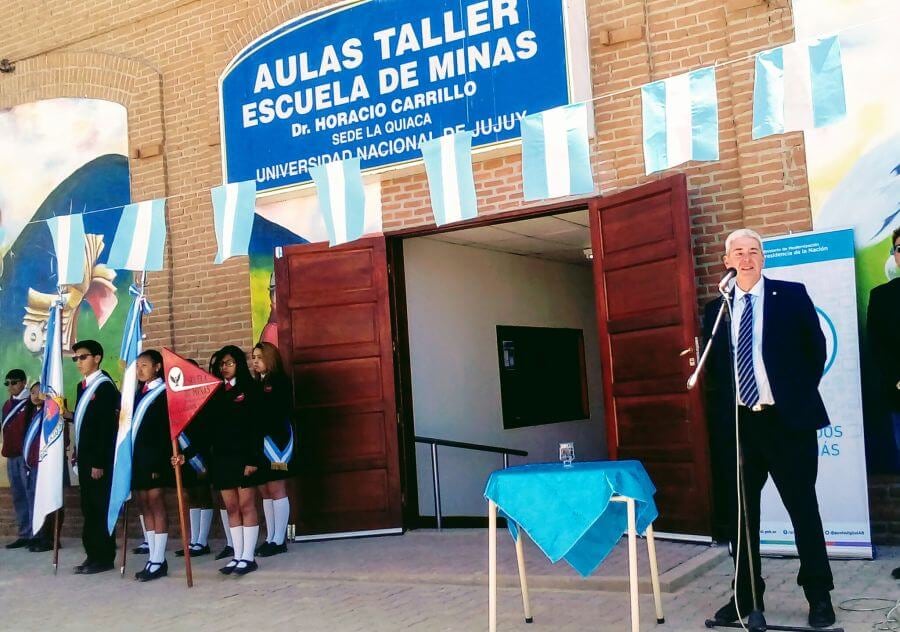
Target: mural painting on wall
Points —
{"points": [[61, 156], [854, 166]]}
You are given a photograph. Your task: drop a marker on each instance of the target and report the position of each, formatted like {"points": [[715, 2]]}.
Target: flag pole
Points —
{"points": [[179, 490], [56, 541], [124, 538]]}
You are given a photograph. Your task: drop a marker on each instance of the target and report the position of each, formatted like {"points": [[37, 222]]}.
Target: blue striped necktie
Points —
{"points": [[746, 379]]}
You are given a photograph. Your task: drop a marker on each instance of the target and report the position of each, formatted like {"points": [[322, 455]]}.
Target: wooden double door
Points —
{"points": [[340, 340]]}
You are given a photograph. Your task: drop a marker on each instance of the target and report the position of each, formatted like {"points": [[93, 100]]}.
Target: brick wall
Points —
{"points": [[162, 61]]}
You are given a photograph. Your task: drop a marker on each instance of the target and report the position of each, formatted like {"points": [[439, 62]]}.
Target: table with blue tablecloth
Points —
{"points": [[575, 513]]}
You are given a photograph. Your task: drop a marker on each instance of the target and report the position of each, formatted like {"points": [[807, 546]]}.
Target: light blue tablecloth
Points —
{"points": [[567, 510]]}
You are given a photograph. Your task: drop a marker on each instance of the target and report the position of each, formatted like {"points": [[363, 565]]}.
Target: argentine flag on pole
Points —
{"points": [[131, 348], [67, 232], [234, 206], [48, 491], [798, 86], [681, 120], [140, 237], [555, 153], [342, 199], [448, 164]]}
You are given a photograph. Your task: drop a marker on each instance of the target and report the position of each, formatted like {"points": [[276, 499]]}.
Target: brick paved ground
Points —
{"points": [[371, 585]]}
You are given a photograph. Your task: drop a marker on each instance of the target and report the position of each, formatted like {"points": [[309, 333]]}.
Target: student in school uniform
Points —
{"points": [[151, 472], [275, 414], [13, 423], [42, 541], [96, 426], [236, 454], [193, 444]]}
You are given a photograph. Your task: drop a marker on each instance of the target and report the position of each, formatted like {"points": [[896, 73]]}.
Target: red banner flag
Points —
{"points": [[188, 387]]}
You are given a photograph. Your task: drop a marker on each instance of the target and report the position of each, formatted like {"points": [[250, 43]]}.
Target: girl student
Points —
{"points": [[275, 405], [235, 441], [151, 472]]}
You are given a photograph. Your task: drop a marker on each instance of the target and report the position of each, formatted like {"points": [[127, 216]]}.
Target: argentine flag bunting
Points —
{"points": [[448, 163], [556, 158], [48, 490], [798, 86], [234, 206], [681, 120], [131, 348], [140, 237], [67, 232], [341, 199]]}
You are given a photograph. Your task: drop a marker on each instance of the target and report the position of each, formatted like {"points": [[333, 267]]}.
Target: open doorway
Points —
{"points": [[503, 352]]}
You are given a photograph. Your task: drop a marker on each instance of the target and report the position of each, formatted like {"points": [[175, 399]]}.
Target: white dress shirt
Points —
{"points": [[88, 380], [757, 292]]}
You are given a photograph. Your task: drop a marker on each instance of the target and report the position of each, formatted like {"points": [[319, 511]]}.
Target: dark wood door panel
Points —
{"points": [[646, 313]]}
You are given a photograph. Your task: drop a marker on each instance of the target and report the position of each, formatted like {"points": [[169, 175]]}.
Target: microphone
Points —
{"points": [[724, 287]]}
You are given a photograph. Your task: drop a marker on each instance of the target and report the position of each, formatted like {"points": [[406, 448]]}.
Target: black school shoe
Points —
{"points": [[148, 575], [729, 612], [226, 552], [248, 567], [40, 546], [79, 570], [196, 550], [228, 569], [273, 549], [93, 569], [896, 573], [143, 549], [19, 544]]}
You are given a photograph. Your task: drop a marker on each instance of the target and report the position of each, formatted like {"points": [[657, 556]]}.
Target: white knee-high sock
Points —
{"points": [[270, 518], [195, 524], [251, 534], [206, 516], [151, 543], [237, 536], [282, 510], [229, 535], [159, 548], [143, 527]]}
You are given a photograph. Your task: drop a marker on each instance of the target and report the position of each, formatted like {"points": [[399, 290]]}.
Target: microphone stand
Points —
{"points": [[756, 621]]}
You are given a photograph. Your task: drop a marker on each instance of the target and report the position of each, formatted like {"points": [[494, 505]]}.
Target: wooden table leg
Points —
{"points": [[523, 581], [654, 574], [632, 566], [492, 566]]}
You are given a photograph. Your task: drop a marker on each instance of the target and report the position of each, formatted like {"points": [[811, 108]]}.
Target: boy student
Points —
{"points": [[14, 422], [96, 422]]}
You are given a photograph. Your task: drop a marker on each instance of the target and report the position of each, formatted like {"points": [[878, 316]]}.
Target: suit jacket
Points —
{"points": [[793, 352], [97, 440], [883, 334]]}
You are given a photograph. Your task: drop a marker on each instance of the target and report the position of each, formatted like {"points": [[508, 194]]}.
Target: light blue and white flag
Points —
{"points": [[556, 158], [130, 350], [342, 199], [234, 207], [448, 164], [798, 86], [48, 490], [67, 232], [681, 120], [140, 237]]}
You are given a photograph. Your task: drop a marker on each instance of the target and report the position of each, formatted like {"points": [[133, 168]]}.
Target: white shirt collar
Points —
{"points": [[756, 291], [231, 382], [153, 383], [25, 392], [89, 379]]}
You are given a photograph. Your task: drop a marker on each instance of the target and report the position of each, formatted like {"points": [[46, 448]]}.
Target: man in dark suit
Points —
{"points": [[770, 355], [96, 425], [883, 335]]}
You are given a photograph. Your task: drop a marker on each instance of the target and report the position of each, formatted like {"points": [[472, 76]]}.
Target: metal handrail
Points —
{"points": [[436, 483]]}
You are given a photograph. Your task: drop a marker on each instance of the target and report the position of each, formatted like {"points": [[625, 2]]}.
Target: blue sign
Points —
{"points": [[375, 79]]}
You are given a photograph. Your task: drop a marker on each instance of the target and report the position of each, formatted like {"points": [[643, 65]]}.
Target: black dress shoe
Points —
{"points": [[142, 572], [821, 613], [261, 550], [93, 569], [273, 549], [155, 571], [896, 573], [19, 544], [143, 549], [78, 570], [199, 551], [245, 567], [228, 569], [40, 547], [729, 612], [226, 552]]}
